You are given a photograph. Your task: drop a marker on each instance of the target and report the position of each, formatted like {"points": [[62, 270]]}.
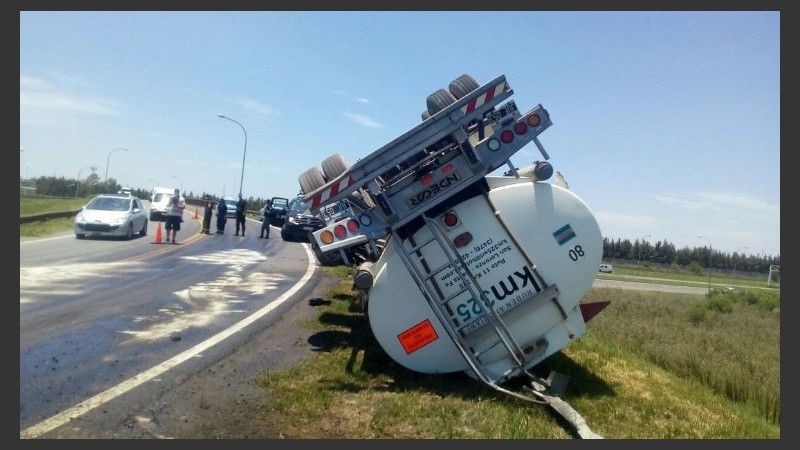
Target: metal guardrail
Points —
{"points": [[199, 203], [47, 216]]}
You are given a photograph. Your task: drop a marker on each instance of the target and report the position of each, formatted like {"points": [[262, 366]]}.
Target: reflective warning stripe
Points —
{"points": [[331, 191], [481, 99]]}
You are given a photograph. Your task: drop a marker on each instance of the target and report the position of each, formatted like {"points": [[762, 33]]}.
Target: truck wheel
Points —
{"points": [[311, 180], [439, 100], [462, 86], [333, 166], [425, 115]]}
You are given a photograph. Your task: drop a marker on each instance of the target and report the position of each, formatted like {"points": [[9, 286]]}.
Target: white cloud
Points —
{"points": [[362, 100], [254, 107], [37, 96], [363, 120]]}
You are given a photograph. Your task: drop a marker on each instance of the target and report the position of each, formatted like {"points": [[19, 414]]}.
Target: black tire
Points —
{"points": [[333, 166], [439, 100], [425, 115], [333, 258], [143, 231], [129, 236], [79, 236], [462, 86], [311, 180]]}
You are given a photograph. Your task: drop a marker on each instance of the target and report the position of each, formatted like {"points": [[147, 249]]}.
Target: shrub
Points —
{"points": [[696, 268]]}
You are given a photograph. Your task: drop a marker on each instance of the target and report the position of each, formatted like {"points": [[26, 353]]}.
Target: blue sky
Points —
{"points": [[665, 123]]}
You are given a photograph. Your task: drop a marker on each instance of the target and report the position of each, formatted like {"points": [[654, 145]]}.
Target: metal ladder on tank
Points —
{"points": [[424, 277]]}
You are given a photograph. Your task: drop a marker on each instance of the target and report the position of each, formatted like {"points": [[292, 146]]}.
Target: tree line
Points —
{"points": [[666, 254], [50, 186]]}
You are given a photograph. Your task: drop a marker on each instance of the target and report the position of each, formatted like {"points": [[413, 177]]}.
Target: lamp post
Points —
{"points": [[77, 183], [709, 262], [241, 181], [180, 181], [640, 248], [108, 158]]}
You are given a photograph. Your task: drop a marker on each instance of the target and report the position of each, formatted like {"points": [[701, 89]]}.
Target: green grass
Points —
{"points": [[38, 205], [650, 366]]}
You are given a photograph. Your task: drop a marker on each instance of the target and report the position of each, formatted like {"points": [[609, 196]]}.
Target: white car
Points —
{"points": [[113, 215], [159, 200], [230, 202], [606, 268]]}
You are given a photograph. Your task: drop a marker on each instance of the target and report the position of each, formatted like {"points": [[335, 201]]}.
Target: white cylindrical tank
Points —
{"points": [[558, 233]]}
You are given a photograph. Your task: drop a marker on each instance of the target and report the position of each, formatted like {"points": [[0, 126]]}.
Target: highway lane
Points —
{"points": [[653, 287], [103, 318]]}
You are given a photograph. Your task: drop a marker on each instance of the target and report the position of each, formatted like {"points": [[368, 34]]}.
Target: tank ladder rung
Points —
{"points": [[438, 301]]}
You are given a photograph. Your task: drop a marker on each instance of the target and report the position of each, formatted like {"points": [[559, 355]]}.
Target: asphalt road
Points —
{"points": [[110, 328], [654, 286]]}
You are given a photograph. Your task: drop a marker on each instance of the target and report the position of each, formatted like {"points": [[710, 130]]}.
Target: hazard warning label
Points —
{"points": [[417, 336]]}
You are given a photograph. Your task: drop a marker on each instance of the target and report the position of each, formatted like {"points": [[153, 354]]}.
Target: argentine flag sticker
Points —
{"points": [[564, 234]]}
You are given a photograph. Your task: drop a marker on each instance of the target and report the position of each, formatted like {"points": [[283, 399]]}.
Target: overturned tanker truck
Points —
{"points": [[466, 271]]}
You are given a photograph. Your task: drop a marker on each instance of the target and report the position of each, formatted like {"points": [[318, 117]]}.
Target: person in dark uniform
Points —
{"points": [[209, 212], [266, 217], [241, 210], [222, 216]]}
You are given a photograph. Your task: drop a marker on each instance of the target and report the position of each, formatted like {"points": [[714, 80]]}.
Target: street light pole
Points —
{"points": [[181, 181], [241, 181], [108, 159], [709, 262], [639, 261]]}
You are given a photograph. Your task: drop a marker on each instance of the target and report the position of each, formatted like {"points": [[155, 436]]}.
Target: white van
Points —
{"points": [[159, 200], [606, 268]]}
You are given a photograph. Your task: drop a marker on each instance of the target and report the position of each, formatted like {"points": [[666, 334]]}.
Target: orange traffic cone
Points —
{"points": [[158, 234]]}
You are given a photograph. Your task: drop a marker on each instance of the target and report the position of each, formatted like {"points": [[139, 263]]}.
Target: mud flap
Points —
{"points": [[589, 310]]}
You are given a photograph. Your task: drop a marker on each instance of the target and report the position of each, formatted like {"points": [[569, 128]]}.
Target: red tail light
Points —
{"points": [[340, 231], [353, 225]]}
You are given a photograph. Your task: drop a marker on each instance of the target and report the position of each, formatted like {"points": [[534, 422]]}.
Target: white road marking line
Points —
{"points": [[108, 395]]}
